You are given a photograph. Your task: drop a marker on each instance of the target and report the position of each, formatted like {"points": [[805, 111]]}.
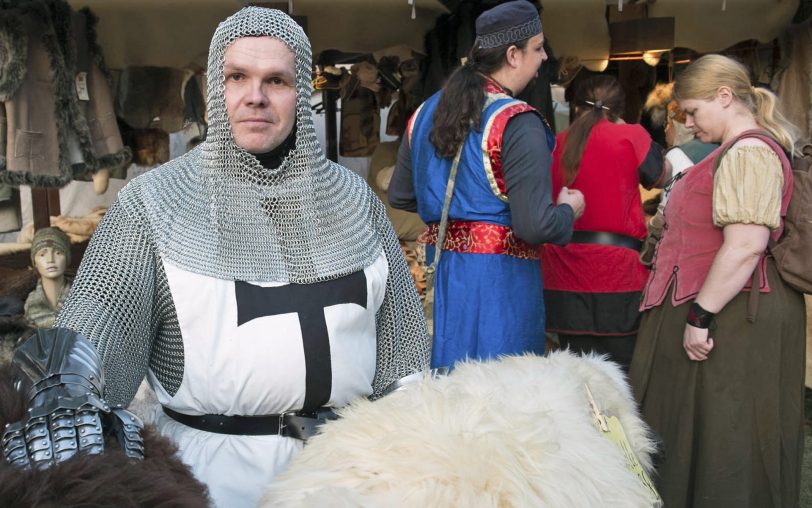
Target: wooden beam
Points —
{"points": [[39, 204], [330, 99], [54, 207], [639, 35]]}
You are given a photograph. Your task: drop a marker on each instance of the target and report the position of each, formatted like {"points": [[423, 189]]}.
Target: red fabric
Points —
{"points": [[479, 238], [609, 180], [492, 86], [410, 123], [498, 123], [690, 243]]}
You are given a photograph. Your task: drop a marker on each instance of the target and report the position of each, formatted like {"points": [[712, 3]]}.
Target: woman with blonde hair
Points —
{"points": [[721, 382]]}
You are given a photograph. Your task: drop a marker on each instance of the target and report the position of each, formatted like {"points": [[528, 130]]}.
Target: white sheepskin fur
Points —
{"points": [[509, 433]]}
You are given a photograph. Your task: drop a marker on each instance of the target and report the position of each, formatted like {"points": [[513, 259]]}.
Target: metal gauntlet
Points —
{"points": [[59, 374]]}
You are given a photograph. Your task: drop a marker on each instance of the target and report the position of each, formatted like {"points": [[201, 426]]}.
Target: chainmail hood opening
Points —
{"points": [[217, 211]]}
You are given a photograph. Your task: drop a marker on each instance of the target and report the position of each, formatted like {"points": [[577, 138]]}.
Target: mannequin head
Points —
{"points": [[50, 253]]}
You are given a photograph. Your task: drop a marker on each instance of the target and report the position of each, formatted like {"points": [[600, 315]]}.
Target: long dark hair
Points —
{"points": [[460, 107], [608, 100]]}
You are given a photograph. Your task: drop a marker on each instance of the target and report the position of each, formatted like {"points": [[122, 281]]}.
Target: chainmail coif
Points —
{"points": [[307, 220], [218, 212]]}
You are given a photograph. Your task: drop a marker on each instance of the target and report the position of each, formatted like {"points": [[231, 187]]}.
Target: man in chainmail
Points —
{"points": [[255, 283]]}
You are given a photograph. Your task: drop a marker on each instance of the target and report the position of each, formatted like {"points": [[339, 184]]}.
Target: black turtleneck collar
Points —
{"points": [[273, 158]]}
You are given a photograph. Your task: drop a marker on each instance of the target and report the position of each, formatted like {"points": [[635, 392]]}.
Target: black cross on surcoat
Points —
{"points": [[309, 302]]}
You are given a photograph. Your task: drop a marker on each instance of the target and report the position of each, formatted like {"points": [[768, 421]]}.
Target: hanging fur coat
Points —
{"points": [[56, 119]]}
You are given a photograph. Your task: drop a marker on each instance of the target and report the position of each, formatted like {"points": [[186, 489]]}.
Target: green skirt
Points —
{"points": [[732, 425]]}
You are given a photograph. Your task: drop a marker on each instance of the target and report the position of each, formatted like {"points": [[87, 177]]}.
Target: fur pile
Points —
{"points": [[110, 479], [17, 283], [509, 433], [657, 102], [78, 229]]}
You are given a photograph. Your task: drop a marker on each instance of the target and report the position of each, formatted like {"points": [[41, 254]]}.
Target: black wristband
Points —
{"points": [[699, 317]]}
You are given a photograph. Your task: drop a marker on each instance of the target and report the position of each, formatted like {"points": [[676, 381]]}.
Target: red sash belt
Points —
{"points": [[480, 238]]}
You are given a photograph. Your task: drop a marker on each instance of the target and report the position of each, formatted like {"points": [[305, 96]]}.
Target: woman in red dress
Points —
{"points": [[592, 285]]}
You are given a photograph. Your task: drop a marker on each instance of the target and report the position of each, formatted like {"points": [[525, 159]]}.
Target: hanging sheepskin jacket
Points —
{"points": [[57, 111]]}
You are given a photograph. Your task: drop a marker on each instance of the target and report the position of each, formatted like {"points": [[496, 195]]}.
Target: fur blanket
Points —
{"points": [[509, 433], [110, 479]]}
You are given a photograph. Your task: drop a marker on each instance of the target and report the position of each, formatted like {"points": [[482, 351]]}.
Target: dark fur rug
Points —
{"points": [[111, 479]]}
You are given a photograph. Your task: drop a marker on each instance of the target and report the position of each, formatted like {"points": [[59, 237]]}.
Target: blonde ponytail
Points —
{"points": [[769, 116], [703, 78]]}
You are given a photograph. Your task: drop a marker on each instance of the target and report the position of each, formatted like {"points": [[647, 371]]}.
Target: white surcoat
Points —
{"points": [[256, 366]]}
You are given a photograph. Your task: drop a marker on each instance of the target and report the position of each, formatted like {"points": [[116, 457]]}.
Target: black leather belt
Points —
{"points": [[606, 239], [293, 424]]}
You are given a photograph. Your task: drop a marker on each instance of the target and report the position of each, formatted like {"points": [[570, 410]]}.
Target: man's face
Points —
{"points": [[531, 58], [260, 94]]}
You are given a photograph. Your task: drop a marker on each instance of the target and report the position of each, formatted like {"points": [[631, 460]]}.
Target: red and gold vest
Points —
{"points": [[690, 239]]}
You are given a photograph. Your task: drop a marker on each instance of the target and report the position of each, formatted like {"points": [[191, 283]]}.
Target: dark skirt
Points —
{"points": [[732, 425], [618, 348]]}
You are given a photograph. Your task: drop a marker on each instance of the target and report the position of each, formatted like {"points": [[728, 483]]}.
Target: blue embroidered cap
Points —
{"points": [[507, 23]]}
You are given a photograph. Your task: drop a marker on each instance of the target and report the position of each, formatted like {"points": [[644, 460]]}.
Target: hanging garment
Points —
{"points": [[57, 106]]}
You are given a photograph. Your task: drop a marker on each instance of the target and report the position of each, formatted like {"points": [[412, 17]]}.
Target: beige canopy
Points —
{"points": [[176, 33]]}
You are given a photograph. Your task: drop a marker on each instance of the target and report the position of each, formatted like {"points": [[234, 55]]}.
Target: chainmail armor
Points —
{"points": [[308, 220], [166, 360], [217, 211]]}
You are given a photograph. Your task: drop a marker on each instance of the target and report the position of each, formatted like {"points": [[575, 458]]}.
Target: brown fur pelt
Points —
{"points": [[17, 282], [657, 102], [12, 329], [150, 147], [110, 479], [416, 269]]}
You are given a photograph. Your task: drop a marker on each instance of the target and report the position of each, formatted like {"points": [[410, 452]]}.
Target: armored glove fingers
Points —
{"points": [[127, 429], [59, 374]]}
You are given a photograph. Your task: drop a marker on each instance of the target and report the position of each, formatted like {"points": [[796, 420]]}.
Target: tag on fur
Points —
{"points": [[81, 86], [617, 435], [611, 428]]}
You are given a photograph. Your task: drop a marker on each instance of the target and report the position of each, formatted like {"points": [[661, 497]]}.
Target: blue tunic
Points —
{"points": [[484, 304]]}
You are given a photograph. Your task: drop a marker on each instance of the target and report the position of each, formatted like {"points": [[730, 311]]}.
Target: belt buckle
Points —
{"points": [[283, 422], [295, 425]]}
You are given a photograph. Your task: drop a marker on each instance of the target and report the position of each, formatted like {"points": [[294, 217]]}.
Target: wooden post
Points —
{"points": [[54, 207], [39, 205], [44, 203], [330, 100]]}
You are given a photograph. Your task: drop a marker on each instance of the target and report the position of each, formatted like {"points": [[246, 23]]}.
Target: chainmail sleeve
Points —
{"points": [[111, 302], [404, 345]]}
